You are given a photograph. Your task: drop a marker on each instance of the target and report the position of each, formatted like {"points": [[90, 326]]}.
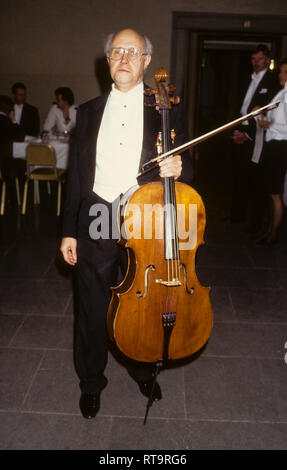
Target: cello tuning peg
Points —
{"points": [[175, 99]]}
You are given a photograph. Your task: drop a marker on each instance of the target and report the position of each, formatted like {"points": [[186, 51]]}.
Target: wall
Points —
{"points": [[56, 43]]}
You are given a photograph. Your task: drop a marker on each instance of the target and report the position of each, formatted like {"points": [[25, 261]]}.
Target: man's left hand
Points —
{"points": [[171, 166]]}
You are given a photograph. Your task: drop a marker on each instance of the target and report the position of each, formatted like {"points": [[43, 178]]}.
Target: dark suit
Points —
{"points": [[9, 133], [30, 121], [248, 198], [99, 260], [266, 89]]}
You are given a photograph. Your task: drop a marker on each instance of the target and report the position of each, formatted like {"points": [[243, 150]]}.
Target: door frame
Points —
{"points": [[185, 23]]}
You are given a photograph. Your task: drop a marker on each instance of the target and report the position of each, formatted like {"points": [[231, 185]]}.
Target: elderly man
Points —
{"points": [[115, 134]]}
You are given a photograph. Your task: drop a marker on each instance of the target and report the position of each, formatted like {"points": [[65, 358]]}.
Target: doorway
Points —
{"points": [[211, 68], [224, 73]]}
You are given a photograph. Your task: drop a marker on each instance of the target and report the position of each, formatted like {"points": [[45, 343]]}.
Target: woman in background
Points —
{"points": [[274, 157], [62, 115]]}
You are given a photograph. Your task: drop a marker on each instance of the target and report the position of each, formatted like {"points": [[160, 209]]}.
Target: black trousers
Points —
{"points": [[240, 162], [98, 265], [249, 194]]}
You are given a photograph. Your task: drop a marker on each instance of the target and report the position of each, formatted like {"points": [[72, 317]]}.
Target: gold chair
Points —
{"points": [[3, 193], [42, 166]]}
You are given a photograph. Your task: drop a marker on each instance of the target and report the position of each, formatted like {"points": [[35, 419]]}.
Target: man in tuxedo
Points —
{"points": [[115, 134], [26, 115], [248, 198], [10, 132]]}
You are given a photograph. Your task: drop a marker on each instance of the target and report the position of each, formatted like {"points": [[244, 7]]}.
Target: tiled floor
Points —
{"points": [[233, 396]]}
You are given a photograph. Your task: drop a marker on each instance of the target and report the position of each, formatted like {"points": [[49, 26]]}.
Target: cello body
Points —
{"points": [[160, 310]]}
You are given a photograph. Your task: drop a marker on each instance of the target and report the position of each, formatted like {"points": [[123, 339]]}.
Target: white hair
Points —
{"points": [[110, 38]]}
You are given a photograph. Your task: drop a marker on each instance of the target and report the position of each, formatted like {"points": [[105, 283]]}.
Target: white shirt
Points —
{"points": [[119, 143], [55, 119], [256, 78], [18, 108], [278, 118]]}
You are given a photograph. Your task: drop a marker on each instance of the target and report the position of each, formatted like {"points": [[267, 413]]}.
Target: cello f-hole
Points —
{"points": [[139, 294], [191, 290]]}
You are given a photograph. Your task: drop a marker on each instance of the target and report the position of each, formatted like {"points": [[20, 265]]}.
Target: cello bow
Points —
{"points": [[153, 163]]}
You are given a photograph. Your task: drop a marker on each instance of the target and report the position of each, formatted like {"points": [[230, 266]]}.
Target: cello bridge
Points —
{"points": [[173, 283]]}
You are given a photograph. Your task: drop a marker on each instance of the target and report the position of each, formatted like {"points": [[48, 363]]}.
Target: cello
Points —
{"points": [[160, 311]]}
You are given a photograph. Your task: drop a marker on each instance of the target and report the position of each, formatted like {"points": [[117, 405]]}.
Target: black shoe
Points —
{"points": [[89, 404], [146, 388], [266, 241]]}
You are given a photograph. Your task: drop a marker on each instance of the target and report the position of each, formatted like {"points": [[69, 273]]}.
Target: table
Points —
{"points": [[284, 195], [61, 148]]}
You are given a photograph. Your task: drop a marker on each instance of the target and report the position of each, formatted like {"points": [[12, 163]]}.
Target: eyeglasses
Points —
{"points": [[117, 53]]}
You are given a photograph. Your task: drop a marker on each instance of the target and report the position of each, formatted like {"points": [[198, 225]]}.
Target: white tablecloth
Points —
{"points": [[285, 191], [61, 148]]}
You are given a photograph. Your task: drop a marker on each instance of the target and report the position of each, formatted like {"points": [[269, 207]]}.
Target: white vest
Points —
{"points": [[119, 143]]}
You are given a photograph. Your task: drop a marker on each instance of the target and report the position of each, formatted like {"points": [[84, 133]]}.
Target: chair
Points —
{"points": [[42, 166], [3, 193]]}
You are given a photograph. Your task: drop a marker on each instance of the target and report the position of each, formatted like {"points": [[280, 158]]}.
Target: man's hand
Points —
{"points": [[171, 166], [263, 123], [239, 137], [11, 116], [69, 250]]}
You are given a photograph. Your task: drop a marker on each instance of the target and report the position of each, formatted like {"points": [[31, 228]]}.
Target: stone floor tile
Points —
{"points": [[227, 388], [164, 434], [221, 304], [260, 305], [282, 277], [55, 387], [156, 434], [273, 375], [45, 332], [17, 370], [8, 327], [248, 340], [27, 260], [28, 431], [38, 297]]}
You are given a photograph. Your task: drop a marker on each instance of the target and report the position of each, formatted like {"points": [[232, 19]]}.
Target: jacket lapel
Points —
{"points": [[24, 115], [94, 121]]}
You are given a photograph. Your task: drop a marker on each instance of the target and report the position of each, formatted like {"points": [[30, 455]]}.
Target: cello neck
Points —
{"points": [[170, 220]]}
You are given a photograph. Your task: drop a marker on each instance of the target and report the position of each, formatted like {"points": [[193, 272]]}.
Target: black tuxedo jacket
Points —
{"points": [[9, 133], [82, 159], [265, 91], [30, 121]]}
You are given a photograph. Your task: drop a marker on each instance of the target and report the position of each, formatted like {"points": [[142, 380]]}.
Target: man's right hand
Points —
{"points": [[11, 116], [69, 250], [239, 137]]}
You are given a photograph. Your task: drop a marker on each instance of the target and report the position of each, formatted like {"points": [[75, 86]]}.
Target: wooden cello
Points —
{"points": [[160, 311]]}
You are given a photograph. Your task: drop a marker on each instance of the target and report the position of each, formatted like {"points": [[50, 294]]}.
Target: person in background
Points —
{"points": [[62, 115], [26, 115], [274, 156], [248, 199], [10, 132]]}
